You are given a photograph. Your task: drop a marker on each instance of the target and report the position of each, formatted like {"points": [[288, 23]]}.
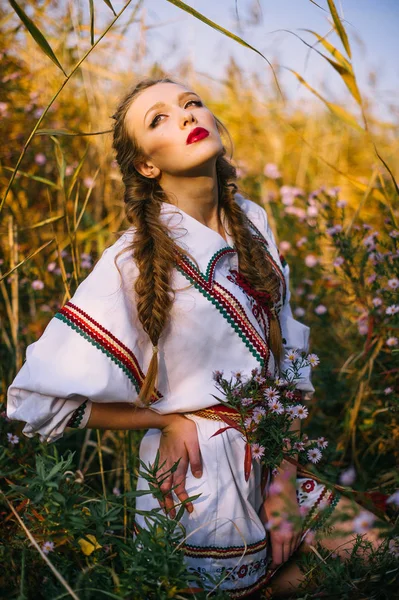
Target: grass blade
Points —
{"points": [[36, 34], [339, 27]]}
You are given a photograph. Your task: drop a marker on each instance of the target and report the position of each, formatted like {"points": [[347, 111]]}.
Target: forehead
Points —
{"points": [[160, 92]]}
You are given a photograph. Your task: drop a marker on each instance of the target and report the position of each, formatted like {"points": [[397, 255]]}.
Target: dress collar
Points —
{"points": [[193, 236]]}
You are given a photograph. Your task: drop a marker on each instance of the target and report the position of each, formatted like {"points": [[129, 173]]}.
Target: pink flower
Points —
{"points": [[392, 341], [371, 278], [393, 283], [322, 442], [299, 311], [258, 414], [275, 488], [339, 261], [271, 393], [341, 203], [276, 406], [320, 309], [314, 455], [40, 159], [313, 359], [392, 310], [51, 266], [13, 439], [311, 260], [301, 242], [116, 491], [312, 211], [68, 170], [363, 522], [301, 411], [292, 355], [257, 451], [376, 301], [89, 182], [271, 171], [246, 401], [48, 547], [394, 233], [37, 284], [394, 498], [388, 390], [300, 446], [285, 246]]}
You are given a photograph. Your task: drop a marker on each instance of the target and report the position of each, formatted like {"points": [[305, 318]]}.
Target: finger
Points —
{"points": [[277, 554], [180, 489], [167, 503], [194, 456]]}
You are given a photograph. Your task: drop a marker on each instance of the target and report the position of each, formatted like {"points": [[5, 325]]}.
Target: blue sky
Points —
{"points": [[372, 26]]}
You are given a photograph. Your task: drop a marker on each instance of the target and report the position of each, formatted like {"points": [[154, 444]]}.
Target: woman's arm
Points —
{"points": [[179, 440], [119, 415]]}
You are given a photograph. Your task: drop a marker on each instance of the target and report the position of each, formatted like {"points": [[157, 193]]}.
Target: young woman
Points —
{"points": [[137, 345]]}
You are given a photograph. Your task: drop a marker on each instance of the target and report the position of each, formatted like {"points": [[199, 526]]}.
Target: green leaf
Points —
{"points": [[35, 177], [36, 34], [339, 27]]}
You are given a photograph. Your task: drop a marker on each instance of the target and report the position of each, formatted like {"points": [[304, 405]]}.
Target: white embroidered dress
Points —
{"points": [[95, 349]]}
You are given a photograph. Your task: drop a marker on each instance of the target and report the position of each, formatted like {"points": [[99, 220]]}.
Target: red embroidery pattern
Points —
{"points": [[227, 304], [259, 300], [107, 342], [308, 486]]}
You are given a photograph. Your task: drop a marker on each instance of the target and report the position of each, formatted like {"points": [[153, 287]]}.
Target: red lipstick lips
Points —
{"points": [[197, 134]]}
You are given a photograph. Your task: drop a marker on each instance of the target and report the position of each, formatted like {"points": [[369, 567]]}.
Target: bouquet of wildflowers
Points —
{"points": [[265, 408]]}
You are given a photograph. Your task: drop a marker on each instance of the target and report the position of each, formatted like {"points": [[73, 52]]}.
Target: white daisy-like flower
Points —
{"points": [[257, 451], [292, 355], [394, 233], [248, 422], [393, 283], [314, 455], [301, 411], [348, 476], [363, 522], [392, 310], [394, 498], [376, 301], [313, 359], [290, 411], [13, 439], [246, 401], [388, 390], [259, 379], [276, 406], [322, 442], [48, 547], [299, 446], [271, 393], [392, 341], [280, 382], [258, 415]]}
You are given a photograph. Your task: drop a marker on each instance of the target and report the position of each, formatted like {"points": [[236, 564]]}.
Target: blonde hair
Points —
{"points": [[154, 251]]}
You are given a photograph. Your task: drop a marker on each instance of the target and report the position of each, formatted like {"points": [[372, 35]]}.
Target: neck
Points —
{"points": [[197, 196]]}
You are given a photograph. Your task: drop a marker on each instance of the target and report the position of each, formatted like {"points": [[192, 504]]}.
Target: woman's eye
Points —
{"points": [[154, 122]]}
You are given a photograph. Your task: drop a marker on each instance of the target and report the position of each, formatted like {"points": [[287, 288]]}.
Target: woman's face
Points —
{"points": [[162, 131]]}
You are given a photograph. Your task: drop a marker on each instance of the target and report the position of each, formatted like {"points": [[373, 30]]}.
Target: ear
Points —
{"points": [[147, 169]]}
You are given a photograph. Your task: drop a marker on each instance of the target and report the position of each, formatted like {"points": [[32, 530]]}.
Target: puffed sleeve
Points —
{"points": [[90, 351], [295, 334]]}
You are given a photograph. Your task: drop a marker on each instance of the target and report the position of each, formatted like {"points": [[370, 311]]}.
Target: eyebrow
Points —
{"points": [[160, 104]]}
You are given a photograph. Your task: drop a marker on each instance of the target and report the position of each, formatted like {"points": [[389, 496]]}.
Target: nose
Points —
{"points": [[187, 117]]}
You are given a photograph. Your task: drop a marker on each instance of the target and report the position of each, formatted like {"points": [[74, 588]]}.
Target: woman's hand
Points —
{"points": [[276, 513], [179, 439]]}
